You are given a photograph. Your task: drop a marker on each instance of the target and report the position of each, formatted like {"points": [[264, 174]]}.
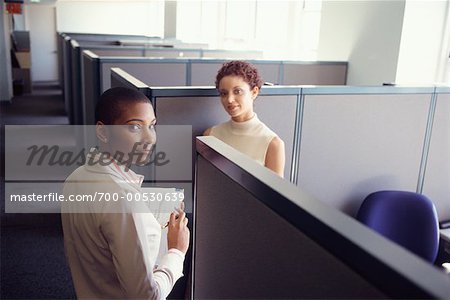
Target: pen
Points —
{"points": [[179, 210], [167, 223]]}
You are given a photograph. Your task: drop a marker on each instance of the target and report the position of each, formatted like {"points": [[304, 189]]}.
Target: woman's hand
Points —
{"points": [[178, 234]]}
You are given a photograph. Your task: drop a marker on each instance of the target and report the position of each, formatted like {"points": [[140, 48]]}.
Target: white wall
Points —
{"points": [[111, 17], [6, 91], [364, 33], [422, 42], [44, 59]]}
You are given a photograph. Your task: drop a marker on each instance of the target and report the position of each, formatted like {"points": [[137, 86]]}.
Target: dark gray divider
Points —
{"points": [[77, 84], [91, 86], [258, 236], [67, 77]]}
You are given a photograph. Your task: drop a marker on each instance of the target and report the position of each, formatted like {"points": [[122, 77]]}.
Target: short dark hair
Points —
{"points": [[112, 102], [240, 68]]}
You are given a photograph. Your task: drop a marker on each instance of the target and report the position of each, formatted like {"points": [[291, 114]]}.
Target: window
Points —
{"points": [[281, 29]]}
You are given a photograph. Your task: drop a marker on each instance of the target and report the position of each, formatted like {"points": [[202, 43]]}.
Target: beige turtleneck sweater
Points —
{"points": [[251, 137]]}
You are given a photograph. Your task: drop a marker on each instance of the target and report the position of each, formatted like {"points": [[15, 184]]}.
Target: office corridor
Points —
{"points": [[32, 251]]}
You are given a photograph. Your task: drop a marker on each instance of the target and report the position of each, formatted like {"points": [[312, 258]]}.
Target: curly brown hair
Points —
{"points": [[240, 68]]}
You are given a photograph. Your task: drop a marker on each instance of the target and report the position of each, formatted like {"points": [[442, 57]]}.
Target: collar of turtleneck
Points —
{"points": [[244, 127]]}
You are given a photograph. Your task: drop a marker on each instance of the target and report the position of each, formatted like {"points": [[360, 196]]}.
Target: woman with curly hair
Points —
{"points": [[239, 83]]}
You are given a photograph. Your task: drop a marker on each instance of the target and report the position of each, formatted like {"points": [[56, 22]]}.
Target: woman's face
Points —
{"points": [[237, 97], [135, 137]]}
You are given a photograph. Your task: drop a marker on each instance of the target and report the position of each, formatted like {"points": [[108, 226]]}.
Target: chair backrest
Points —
{"points": [[407, 218]]}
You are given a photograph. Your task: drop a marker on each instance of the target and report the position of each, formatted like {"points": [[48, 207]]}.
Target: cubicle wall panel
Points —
{"points": [[119, 52], [90, 91], [229, 54], [437, 175], [204, 112], [152, 74], [172, 53], [353, 145], [200, 112], [204, 73], [269, 72], [67, 73], [278, 113], [244, 250], [77, 113], [316, 74]]}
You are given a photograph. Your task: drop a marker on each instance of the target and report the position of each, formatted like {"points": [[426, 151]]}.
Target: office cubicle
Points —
{"points": [[342, 143], [258, 236], [357, 140], [187, 72], [200, 107], [121, 46]]}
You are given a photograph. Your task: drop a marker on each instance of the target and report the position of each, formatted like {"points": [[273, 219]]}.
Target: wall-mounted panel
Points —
{"points": [[437, 175], [168, 53], [278, 113], [229, 54], [269, 72], [353, 145], [200, 112], [119, 52], [315, 74], [204, 74], [152, 74]]}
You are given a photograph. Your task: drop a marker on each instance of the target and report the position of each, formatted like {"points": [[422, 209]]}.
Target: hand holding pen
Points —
{"points": [[178, 233], [179, 210]]}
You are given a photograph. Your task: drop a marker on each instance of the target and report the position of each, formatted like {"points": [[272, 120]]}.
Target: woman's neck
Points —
{"points": [[243, 118]]}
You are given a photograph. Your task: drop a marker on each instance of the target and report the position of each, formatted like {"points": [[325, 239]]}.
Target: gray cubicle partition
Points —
{"points": [[342, 143], [91, 86], [313, 73], [257, 236], [200, 107], [103, 46], [201, 72], [436, 182], [187, 72], [356, 141]]}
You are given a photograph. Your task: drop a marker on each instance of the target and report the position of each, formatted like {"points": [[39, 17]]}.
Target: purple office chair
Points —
{"points": [[407, 218]]}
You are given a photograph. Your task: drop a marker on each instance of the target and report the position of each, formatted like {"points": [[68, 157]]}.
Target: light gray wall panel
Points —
{"points": [[172, 53], [278, 113], [269, 72], [353, 145], [316, 74], [119, 52], [227, 54], [204, 74], [152, 74], [200, 112], [437, 176]]}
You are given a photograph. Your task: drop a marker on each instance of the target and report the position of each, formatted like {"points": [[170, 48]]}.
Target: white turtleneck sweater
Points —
{"points": [[251, 137]]}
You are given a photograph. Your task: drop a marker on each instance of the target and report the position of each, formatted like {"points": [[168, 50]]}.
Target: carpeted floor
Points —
{"points": [[33, 265]]}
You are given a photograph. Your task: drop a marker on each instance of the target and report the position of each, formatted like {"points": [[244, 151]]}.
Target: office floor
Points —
{"points": [[32, 251]]}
